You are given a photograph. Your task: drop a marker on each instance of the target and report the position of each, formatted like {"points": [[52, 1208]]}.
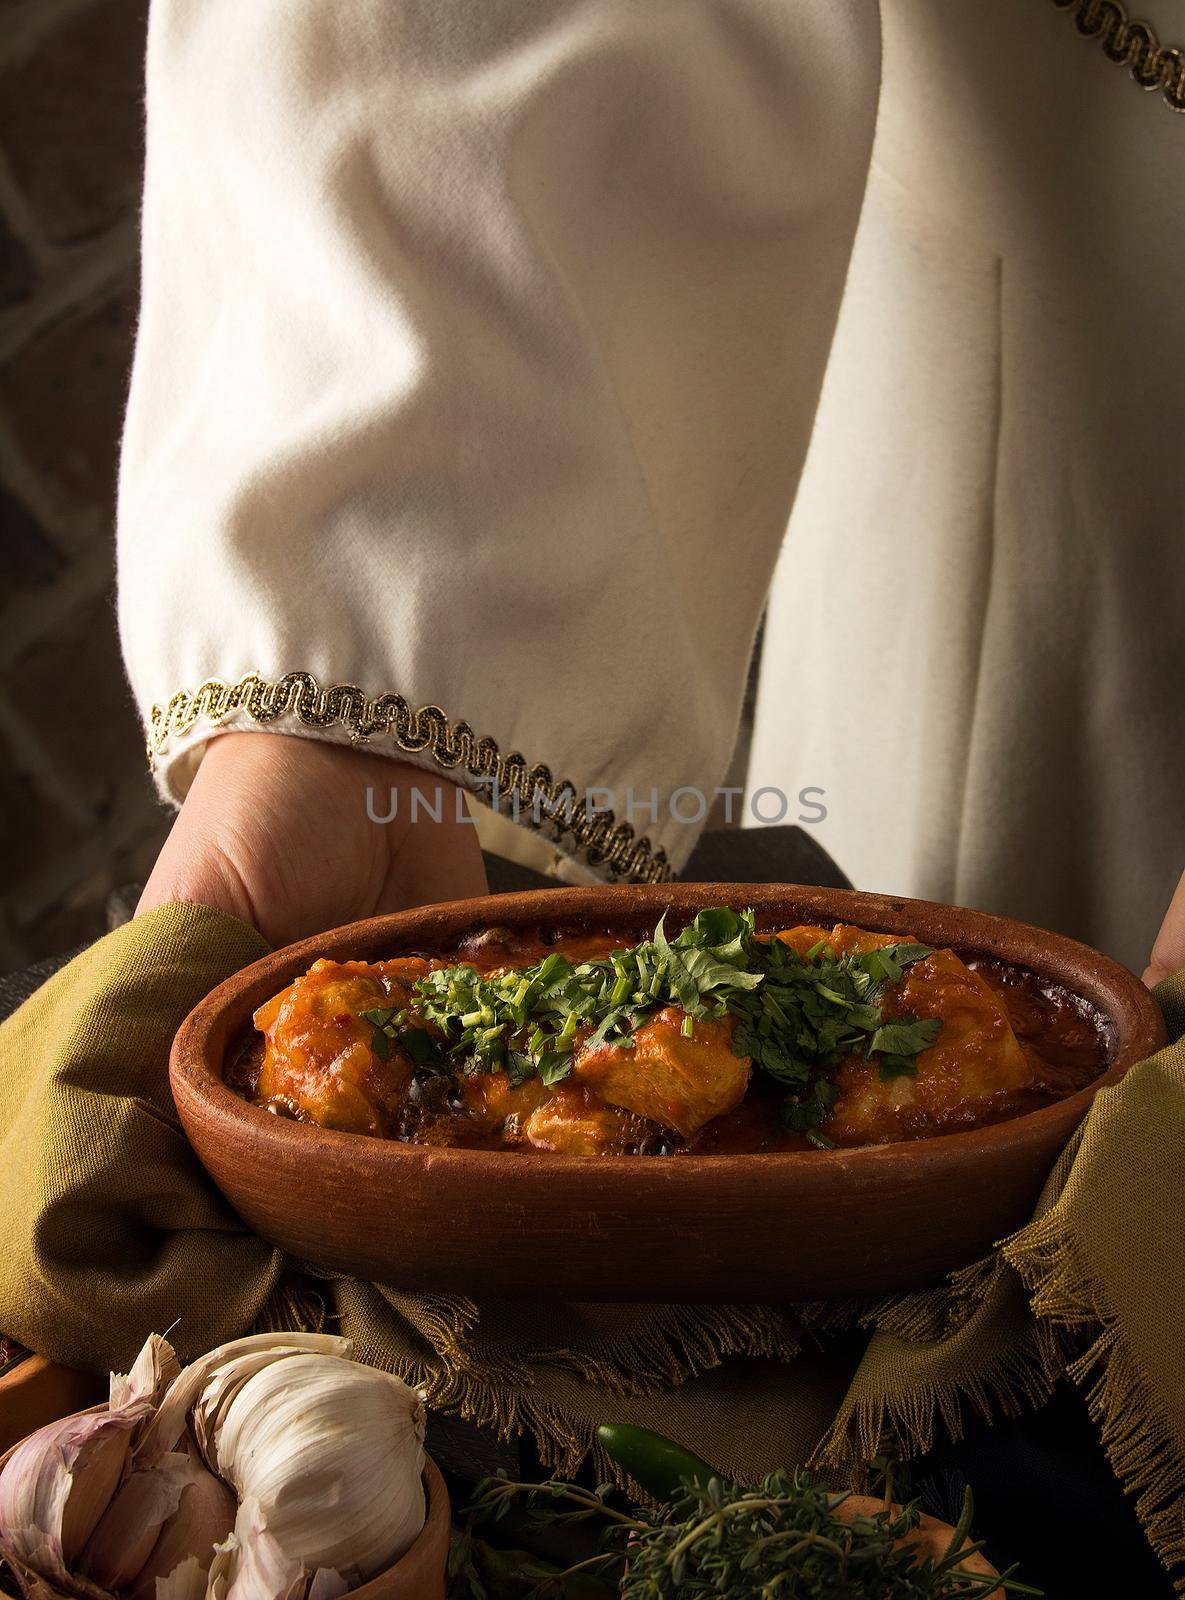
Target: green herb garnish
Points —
{"points": [[797, 1016], [527, 1020], [394, 1027], [812, 1011]]}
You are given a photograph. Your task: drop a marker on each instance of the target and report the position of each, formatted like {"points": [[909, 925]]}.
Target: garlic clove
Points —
{"points": [[252, 1566], [186, 1582], [169, 1422], [332, 1452], [327, 1584], [130, 1526], [203, 1519], [57, 1484], [95, 1467]]}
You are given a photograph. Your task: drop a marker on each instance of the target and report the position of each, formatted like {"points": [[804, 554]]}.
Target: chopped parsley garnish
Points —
{"points": [[527, 1020], [393, 1026], [797, 1016], [812, 1011]]}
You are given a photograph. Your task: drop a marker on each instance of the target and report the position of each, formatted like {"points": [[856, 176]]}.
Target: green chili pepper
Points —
{"points": [[659, 1464]]}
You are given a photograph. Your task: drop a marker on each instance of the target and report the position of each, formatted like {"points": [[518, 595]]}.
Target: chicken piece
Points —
{"points": [[975, 1067], [803, 938], [571, 1122], [319, 1061], [843, 939], [498, 1107], [846, 940], [679, 1081]]}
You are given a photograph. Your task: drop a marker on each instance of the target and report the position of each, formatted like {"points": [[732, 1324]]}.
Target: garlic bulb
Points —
{"points": [[58, 1483], [328, 1454], [255, 1349], [325, 1456]]}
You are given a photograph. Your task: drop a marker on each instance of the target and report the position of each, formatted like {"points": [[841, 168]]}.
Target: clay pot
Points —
{"points": [[37, 1391], [772, 1227], [930, 1538], [419, 1574]]}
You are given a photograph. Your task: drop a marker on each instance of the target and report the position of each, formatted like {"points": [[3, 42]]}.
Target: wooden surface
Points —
{"points": [[827, 1223]]}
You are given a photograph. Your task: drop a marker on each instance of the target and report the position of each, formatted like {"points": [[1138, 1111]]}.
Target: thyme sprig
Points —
{"points": [[779, 1537], [797, 1015]]}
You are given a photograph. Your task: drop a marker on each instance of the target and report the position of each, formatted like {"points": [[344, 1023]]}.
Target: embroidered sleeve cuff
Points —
{"points": [[530, 794]]}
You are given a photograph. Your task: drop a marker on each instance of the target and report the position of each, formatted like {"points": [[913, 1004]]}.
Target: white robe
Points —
{"points": [[480, 351], [976, 638]]}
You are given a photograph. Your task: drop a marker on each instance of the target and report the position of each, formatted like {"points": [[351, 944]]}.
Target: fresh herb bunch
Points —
{"points": [[797, 1015], [777, 1540]]}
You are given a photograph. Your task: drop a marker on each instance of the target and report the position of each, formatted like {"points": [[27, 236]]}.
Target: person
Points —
{"points": [[510, 360]]}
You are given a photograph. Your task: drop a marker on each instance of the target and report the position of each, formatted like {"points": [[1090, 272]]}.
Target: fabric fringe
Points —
{"points": [[677, 1343], [906, 1422], [925, 1317], [906, 1425], [931, 1315], [445, 1321], [1137, 1437], [562, 1442], [294, 1307], [680, 1343], [498, 1391]]}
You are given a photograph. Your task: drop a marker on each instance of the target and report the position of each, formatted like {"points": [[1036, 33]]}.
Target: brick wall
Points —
{"points": [[77, 813]]}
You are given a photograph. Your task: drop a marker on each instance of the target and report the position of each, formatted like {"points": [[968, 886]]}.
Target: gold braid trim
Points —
{"points": [[544, 802], [1133, 45]]}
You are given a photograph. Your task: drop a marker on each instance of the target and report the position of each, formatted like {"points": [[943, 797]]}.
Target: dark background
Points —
{"points": [[78, 814]]}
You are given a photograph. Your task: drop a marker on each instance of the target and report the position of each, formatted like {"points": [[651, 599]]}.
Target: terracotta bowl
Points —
{"points": [[776, 1227], [931, 1538], [419, 1574], [38, 1391]]}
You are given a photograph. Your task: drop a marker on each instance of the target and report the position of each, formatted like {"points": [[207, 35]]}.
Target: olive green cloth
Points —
{"points": [[112, 1229]]}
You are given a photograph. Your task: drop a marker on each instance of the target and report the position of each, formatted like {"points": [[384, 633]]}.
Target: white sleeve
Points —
{"points": [[479, 350]]}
